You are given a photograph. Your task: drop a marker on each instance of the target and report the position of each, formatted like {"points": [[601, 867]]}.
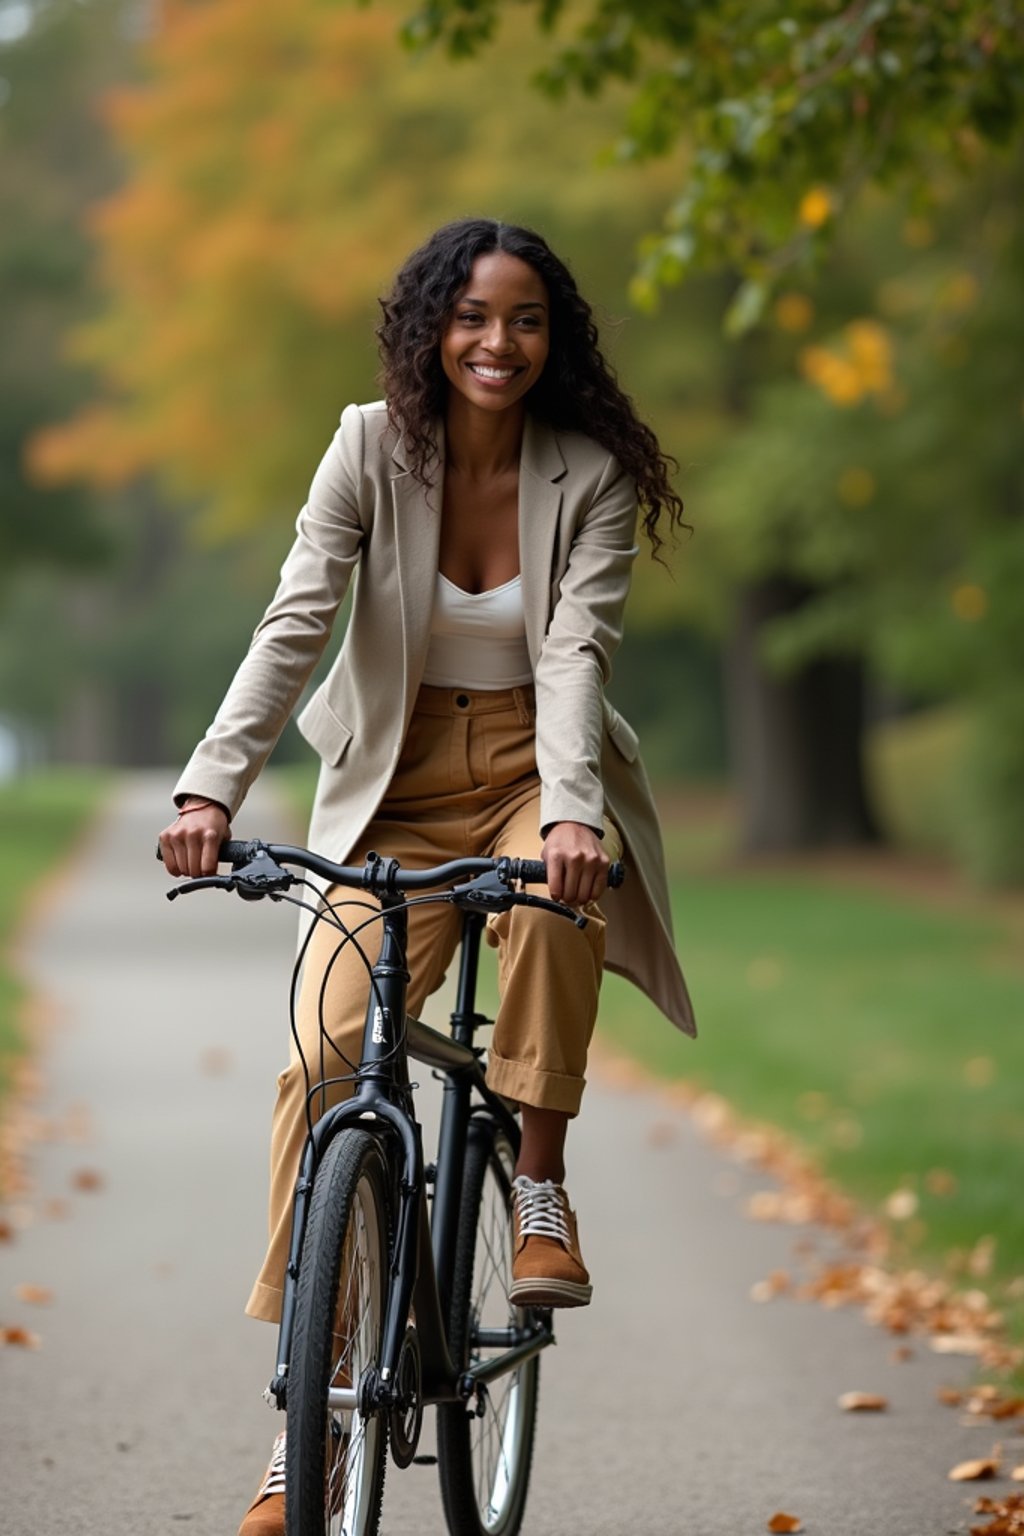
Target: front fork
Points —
{"points": [[370, 1109]]}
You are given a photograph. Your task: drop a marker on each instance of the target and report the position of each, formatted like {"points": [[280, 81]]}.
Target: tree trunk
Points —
{"points": [[796, 738]]}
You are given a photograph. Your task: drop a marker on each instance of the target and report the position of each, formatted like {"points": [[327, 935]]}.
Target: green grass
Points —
{"points": [[887, 1036], [39, 818], [917, 769]]}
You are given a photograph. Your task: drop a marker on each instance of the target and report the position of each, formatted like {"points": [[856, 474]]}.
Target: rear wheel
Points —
{"points": [[484, 1462], [335, 1461]]}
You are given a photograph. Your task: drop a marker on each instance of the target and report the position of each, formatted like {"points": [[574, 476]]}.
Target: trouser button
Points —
{"points": [[462, 700]]}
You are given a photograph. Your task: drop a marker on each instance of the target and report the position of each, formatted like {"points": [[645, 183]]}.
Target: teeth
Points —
{"points": [[492, 373]]}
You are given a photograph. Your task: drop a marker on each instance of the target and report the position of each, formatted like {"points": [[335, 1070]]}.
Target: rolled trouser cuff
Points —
{"points": [[265, 1303], [531, 1085]]}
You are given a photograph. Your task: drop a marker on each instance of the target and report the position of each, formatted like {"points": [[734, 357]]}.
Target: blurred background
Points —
{"points": [[198, 209], [805, 244]]}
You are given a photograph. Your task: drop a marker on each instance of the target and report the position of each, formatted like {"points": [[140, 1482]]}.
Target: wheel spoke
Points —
{"points": [[336, 1478], [486, 1459]]}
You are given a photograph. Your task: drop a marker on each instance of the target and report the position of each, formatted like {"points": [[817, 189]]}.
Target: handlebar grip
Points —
{"points": [[532, 871], [234, 852]]}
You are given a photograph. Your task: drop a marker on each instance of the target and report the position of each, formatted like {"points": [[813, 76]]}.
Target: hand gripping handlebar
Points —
{"points": [[257, 871]]}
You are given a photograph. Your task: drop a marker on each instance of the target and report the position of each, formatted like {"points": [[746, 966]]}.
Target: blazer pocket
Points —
{"points": [[623, 736], [321, 727]]}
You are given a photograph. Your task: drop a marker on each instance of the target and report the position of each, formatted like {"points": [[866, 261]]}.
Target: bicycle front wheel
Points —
{"points": [[484, 1463], [335, 1459]]}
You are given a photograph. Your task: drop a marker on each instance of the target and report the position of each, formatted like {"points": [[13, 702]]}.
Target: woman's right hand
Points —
{"points": [[191, 843]]}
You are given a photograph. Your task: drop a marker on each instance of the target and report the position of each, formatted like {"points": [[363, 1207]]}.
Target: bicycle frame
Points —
{"points": [[423, 1249]]}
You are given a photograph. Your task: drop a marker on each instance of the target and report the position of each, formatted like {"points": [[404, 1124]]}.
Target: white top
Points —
{"points": [[478, 639]]}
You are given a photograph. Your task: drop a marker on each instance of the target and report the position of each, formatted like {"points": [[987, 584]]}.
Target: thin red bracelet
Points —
{"points": [[201, 805]]}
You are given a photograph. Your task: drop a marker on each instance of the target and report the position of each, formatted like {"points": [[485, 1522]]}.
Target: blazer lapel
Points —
{"points": [[541, 466], [417, 512]]}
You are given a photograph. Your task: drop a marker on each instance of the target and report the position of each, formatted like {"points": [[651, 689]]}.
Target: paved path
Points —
{"points": [[674, 1406]]}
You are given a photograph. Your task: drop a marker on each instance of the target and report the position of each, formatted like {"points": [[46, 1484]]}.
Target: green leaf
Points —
{"points": [[746, 308]]}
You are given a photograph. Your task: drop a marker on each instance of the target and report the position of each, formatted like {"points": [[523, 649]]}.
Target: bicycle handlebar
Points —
{"points": [[257, 868], [377, 872]]}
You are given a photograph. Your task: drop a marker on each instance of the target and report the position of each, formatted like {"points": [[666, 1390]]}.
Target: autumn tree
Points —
{"points": [[776, 117], [54, 161], [878, 490], [279, 164], [776, 113]]}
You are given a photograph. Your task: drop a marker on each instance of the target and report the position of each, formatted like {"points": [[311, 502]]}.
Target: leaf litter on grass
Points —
{"points": [[902, 1300]]}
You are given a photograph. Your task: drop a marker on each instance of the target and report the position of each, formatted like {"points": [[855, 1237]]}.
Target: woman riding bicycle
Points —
{"points": [[489, 505]]}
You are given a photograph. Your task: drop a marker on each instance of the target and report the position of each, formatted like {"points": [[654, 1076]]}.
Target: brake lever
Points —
{"points": [[260, 877], [203, 883], [488, 893], [525, 899]]}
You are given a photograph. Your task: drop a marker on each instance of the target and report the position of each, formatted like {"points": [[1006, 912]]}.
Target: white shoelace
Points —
{"points": [[541, 1208], [274, 1480]]}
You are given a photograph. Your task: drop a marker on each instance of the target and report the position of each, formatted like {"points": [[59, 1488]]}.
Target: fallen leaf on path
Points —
{"points": [[215, 1061], [990, 1403], [57, 1210], [863, 1402], [87, 1179], [950, 1396], [35, 1295], [902, 1353], [958, 1344], [662, 1133], [782, 1522], [1018, 1474], [6, 1232], [78, 1123], [775, 1284], [1007, 1516], [974, 1471], [20, 1338]]}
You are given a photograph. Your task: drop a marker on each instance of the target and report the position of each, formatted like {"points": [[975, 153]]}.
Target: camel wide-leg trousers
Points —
{"points": [[466, 785]]}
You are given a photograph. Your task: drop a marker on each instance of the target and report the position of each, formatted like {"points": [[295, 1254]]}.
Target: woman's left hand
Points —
{"points": [[576, 863]]}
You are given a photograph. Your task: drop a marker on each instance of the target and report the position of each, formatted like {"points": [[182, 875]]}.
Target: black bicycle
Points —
{"points": [[390, 1306]]}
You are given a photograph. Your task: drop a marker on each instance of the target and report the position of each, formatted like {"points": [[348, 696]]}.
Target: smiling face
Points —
{"points": [[497, 339]]}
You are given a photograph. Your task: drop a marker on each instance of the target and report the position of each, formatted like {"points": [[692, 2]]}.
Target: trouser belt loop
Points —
{"points": [[522, 707]]}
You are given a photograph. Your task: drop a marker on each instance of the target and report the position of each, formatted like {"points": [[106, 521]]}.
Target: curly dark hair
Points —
{"points": [[577, 390]]}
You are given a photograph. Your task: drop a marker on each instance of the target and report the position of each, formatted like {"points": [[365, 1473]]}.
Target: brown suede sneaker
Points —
{"points": [[547, 1266], [265, 1515]]}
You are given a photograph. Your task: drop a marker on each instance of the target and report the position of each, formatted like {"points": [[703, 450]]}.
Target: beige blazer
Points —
{"points": [[368, 517]]}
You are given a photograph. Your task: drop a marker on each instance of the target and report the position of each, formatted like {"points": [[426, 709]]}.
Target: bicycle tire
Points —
{"points": [[484, 1463], [335, 1462]]}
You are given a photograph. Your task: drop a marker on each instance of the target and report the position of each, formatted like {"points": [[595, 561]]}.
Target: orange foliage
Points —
{"points": [[282, 160]]}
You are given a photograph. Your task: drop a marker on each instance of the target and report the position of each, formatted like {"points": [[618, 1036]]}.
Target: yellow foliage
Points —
{"points": [[959, 293], [835, 376], [282, 160], [862, 366], [815, 207], [871, 354], [969, 602], [898, 297], [856, 486], [918, 233], [793, 312]]}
